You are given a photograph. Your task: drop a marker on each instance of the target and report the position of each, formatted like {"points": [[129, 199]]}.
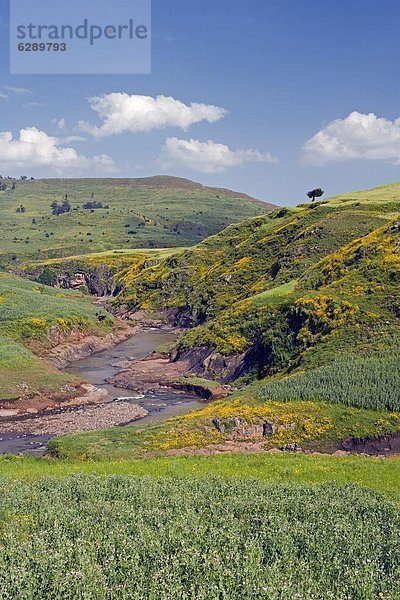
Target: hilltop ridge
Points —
{"points": [[115, 213]]}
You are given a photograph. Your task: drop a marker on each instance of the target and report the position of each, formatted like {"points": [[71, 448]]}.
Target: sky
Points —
{"points": [[267, 97]]}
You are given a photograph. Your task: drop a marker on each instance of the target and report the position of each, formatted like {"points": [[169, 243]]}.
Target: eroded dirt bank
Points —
{"points": [[59, 350], [76, 345]]}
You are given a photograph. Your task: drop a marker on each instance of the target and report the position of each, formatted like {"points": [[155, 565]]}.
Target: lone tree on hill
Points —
{"points": [[317, 193]]}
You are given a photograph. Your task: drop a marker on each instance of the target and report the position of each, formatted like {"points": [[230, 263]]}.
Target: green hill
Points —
{"points": [[298, 308], [131, 213], [312, 262], [28, 313]]}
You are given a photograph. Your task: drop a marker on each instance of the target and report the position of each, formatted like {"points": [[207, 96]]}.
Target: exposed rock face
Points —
{"points": [[208, 393], [386, 445], [213, 365], [98, 280]]}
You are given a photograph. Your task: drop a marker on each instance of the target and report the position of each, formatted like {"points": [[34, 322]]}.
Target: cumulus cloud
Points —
{"points": [[121, 112], [17, 90], [207, 157], [35, 148], [359, 135]]}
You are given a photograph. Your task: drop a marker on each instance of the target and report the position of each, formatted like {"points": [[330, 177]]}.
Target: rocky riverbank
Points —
{"points": [[158, 371]]}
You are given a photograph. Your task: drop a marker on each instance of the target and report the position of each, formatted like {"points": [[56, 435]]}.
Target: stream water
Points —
{"points": [[96, 369]]}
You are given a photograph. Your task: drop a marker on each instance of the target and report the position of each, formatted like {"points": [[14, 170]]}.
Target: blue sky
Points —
{"points": [[288, 73]]}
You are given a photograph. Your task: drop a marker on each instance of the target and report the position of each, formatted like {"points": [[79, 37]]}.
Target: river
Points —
{"points": [[96, 369]]}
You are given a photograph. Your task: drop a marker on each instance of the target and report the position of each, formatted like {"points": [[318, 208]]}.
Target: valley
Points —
{"points": [[262, 357]]}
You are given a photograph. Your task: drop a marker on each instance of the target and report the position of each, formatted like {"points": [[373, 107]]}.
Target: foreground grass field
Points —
{"points": [[380, 475], [195, 538]]}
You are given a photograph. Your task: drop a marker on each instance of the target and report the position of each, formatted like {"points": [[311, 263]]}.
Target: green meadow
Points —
{"points": [[144, 213]]}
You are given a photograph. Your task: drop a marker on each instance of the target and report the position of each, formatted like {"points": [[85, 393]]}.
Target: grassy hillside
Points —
{"points": [[287, 286], [303, 304], [230, 424], [144, 213], [301, 309], [28, 313], [98, 273], [257, 255]]}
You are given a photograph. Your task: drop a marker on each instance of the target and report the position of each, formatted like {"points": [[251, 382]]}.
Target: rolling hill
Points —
{"points": [[120, 213], [299, 309], [325, 261]]}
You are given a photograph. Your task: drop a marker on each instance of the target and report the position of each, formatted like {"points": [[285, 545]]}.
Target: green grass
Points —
{"points": [[22, 372], [112, 255], [371, 382], [28, 312], [380, 475], [383, 194], [195, 538], [28, 309], [275, 295], [319, 426], [157, 212]]}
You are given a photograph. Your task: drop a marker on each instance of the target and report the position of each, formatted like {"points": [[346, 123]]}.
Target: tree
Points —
{"points": [[317, 193], [60, 209], [92, 205]]}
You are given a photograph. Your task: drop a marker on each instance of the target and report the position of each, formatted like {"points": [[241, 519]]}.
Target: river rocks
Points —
{"points": [[8, 412], [77, 419], [291, 448]]}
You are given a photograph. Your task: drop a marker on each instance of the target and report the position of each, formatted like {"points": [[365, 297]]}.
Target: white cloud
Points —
{"points": [[121, 113], [35, 148], [359, 135], [61, 123], [69, 139], [207, 157], [4, 96], [17, 90]]}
